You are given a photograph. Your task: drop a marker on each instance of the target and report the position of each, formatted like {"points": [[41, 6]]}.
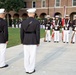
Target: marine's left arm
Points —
{"points": [[5, 31], [38, 33]]}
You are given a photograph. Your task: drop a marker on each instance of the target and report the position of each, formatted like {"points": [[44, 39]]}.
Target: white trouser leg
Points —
{"points": [[32, 57], [48, 35], [67, 36], [64, 37], [26, 58], [29, 57], [54, 35], [2, 54], [74, 37], [57, 36]]}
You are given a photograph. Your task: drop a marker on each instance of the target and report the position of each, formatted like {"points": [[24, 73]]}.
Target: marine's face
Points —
{"points": [[48, 18], [75, 18], [56, 18], [67, 17], [2, 15]]}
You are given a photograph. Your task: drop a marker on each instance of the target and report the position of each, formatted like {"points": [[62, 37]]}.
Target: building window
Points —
{"points": [[74, 2], [43, 3], [33, 4], [25, 5], [57, 3]]}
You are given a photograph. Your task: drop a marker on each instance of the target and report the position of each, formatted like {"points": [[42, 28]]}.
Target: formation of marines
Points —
{"points": [[57, 25]]}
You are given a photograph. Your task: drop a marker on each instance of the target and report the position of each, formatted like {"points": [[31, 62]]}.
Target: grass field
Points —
{"points": [[14, 36]]}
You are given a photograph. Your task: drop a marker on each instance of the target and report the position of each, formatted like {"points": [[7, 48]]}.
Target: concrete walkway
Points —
{"points": [[52, 59]]}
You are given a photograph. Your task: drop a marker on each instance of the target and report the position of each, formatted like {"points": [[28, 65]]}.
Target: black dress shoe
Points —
{"points": [[54, 41], [30, 72], [45, 41], [4, 66], [73, 42], [27, 72]]}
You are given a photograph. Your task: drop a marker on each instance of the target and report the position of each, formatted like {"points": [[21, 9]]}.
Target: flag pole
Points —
{"points": [[63, 21]]}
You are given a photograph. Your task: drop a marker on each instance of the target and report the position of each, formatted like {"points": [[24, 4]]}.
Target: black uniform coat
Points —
{"points": [[30, 31], [57, 22], [69, 24], [47, 24], [3, 31]]}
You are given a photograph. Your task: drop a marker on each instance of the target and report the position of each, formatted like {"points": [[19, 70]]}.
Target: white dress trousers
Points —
{"points": [[66, 36], [2, 54], [48, 36], [29, 57], [56, 36]]}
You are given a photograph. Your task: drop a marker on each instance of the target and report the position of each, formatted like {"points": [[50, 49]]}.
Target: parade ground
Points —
{"points": [[52, 59]]}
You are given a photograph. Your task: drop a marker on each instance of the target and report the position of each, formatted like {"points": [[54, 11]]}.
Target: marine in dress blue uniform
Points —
{"points": [[66, 29], [30, 38], [47, 28], [73, 39], [3, 39], [57, 29]]}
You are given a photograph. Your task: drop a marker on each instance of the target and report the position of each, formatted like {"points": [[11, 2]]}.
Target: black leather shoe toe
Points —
{"points": [[32, 72], [4, 66]]}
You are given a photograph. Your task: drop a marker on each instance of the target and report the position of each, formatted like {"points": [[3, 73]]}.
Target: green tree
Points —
{"points": [[2, 3], [11, 5], [15, 5]]}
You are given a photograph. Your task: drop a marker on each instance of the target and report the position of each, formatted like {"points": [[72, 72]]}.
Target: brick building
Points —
{"points": [[51, 7]]}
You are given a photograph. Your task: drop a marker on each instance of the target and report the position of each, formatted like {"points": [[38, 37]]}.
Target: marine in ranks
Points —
{"points": [[74, 30], [57, 29], [66, 27], [47, 29]]}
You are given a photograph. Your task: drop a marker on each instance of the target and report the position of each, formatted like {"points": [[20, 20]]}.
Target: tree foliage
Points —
{"points": [[9, 5], [2, 3]]}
